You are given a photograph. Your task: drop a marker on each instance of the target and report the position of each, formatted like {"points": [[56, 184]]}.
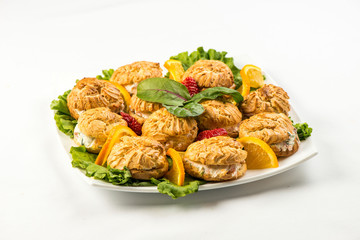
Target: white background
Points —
{"points": [[310, 48]]}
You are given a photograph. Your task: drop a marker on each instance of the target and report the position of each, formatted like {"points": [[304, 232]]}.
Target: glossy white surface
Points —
{"points": [[306, 151], [311, 48]]}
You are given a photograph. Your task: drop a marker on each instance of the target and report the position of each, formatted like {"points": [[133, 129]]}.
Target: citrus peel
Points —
{"points": [[252, 78], [124, 93], [175, 69], [115, 133], [260, 155], [176, 174]]}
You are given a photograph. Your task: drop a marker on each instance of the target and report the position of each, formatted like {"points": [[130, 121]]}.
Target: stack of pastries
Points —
{"points": [[97, 105]]}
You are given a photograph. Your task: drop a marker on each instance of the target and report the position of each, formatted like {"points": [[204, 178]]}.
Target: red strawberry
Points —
{"points": [[132, 123], [211, 133], [191, 86]]}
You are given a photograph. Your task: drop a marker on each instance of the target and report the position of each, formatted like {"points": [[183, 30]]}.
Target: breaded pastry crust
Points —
{"points": [[130, 75], [219, 114], [216, 159], [269, 98], [141, 109], [211, 73], [143, 156], [91, 93], [275, 129], [97, 123], [170, 130]]}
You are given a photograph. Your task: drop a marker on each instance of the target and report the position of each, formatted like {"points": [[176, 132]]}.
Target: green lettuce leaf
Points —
{"points": [[84, 160], [81, 158], [303, 130], [106, 74], [170, 161], [60, 104], [164, 186], [64, 121], [188, 60]]}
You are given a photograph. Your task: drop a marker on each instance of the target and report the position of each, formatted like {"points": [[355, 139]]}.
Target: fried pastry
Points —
{"points": [[143, 156], [210, 73], [130, 75], [170, 130], [91, 93], [275, 129], [269, 98], [94, 126], [220, 114], [141, 109], [216, 159]]}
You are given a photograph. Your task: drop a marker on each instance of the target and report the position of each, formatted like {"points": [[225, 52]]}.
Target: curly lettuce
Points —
{"points": [[86, 161], [106, 74], [64, 121], [189, 59], [164, 186], [303, 130]]}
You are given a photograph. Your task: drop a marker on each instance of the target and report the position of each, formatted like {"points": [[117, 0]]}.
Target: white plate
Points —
{"points": [[306, 151]]}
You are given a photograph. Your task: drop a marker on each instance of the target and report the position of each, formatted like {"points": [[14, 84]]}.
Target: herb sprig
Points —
{"points": [[176, 98]]}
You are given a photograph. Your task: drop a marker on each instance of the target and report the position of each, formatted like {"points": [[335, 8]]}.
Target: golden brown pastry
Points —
{"points": [[91, 93], [143, 156], [210, 73], [170, 130], [94, 126], [220, 114], [141, 109], [130, 75], [269, 98], [275, 129], [216, 159]]}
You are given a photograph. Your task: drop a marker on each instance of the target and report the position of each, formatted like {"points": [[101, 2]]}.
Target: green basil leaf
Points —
{"points": [[189, 59], [163, 90], [213, 93], [190, 109]]}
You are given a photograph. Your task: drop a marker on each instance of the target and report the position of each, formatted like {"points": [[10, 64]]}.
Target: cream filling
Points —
{"points": [[82, 138], [286, 145], [131, 88], [215, 171]]}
